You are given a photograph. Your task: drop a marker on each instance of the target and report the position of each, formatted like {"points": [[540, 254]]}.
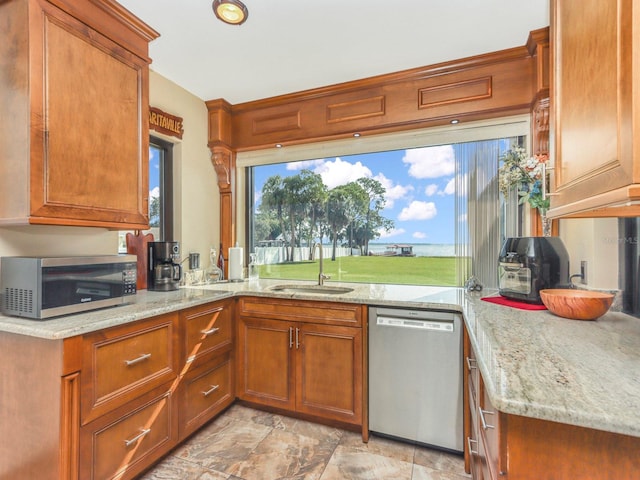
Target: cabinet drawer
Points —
{"points": [[124, 362], [123, 446], [302, 311], [206, 392], [208, 330]]}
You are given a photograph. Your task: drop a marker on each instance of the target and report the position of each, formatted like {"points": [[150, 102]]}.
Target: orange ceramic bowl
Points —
{"points": [[576, 304]]}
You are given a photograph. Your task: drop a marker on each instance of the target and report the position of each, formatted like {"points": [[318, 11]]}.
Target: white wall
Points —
{"points": [[195, 191], [595, 240], [196, 194]]}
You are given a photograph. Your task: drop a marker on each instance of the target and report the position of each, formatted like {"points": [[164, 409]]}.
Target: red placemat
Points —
{"points": [[507, 302]]}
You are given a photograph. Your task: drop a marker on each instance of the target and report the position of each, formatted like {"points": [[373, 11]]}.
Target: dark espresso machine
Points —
{"points": [[164, 266]]}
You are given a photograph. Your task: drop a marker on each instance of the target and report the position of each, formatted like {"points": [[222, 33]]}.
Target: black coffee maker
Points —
{"points": [[164, 266]]}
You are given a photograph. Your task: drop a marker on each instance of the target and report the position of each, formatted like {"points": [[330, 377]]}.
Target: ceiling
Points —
{"points": [[288, 46]]}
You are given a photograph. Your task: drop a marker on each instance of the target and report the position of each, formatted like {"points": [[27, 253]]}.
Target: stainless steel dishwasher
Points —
{"points": [[415, 376]]}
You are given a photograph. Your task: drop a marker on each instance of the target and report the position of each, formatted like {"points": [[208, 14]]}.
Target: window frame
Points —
{"points": [[166, 229]]}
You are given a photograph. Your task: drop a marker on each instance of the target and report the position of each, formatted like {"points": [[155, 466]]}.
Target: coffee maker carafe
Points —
{"points": [[164, 266]]}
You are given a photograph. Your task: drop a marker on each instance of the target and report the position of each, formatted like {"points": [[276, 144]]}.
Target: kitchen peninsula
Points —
{"points": [[535, 367]]}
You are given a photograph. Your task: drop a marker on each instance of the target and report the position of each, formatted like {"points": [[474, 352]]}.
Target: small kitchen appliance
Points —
{"points": [[44, 287], [165, 271], [527, 265]]}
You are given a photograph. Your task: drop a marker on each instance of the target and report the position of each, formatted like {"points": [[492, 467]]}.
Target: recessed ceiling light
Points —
{"points": [[454, 121], [233, 12], [356, 135], [278, 145]]}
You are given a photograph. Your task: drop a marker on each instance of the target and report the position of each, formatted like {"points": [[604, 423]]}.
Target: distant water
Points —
{"points": [[420, 249]]}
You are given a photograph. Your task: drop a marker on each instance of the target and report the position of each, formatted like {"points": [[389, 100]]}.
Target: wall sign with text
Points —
{"points": [[165, 123]]}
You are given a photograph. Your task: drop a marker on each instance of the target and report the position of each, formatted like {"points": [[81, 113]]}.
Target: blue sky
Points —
{"points": [[418, 181]]}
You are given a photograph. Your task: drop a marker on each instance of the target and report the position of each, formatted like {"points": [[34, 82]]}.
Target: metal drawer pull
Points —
{"points": [[469, 365], [211, 390], [290, 337], [297, 338], [142, 357], [211, 331], [469, 442], [485, 425], [143, 432]]}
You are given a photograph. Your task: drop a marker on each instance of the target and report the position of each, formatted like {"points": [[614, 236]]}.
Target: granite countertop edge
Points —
{"points": [[533, 363]]}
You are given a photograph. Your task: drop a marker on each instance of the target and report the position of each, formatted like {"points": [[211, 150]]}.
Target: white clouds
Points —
{"points": [[418, 210], [394, 232], [430, 162], [450, 189], [431, 190], [419, 235], [154, 193], [393, 192], [339, 172], [305, 164]]}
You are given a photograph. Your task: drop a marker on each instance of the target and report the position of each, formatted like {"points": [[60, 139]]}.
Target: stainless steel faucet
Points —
{"points": [[321, 276]]}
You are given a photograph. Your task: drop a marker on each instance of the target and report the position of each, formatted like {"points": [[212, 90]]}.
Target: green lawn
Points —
{"points": [[373, 269]]}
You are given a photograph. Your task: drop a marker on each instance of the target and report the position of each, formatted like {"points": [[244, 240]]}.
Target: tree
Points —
{"points": [[273, 199], [337, 217], [376, 202], [355, 207], [154, 212]]}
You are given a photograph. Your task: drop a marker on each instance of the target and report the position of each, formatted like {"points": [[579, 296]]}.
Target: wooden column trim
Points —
{"points": [[538, 46], [224, 162], [223, 158]]}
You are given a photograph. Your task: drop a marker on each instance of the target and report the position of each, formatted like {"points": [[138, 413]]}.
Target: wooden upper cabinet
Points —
{"points": [[595, 126], [76, 149]]}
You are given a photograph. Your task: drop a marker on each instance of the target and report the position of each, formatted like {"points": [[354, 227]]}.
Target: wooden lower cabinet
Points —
{"points": [[312, 369], [502, 446], [133, 392]]}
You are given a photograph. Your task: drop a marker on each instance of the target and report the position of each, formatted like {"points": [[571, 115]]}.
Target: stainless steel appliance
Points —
{"points": [[165, 270], [44, 287], [415, 376], [527, 265]]}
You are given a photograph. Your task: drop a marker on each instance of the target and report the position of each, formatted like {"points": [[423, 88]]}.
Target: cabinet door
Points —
{"points": [[593, 107], [329, 372], [89, 150], [266, 362]]}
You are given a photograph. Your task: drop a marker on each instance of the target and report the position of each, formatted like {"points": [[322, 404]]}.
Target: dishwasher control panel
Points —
{"points": [[442, 326], [420, 319]]}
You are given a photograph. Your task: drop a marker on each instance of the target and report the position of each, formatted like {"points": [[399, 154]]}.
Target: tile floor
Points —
{"points": [[247, 444]]}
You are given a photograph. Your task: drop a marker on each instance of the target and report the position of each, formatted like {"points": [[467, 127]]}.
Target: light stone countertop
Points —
{"points": [[584, 373]]}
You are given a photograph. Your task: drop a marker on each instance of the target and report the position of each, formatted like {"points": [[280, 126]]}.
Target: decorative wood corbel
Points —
{"points": [[223, 158]]}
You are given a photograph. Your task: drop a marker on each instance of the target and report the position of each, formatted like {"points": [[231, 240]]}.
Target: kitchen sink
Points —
{"points": [[321, 289]]}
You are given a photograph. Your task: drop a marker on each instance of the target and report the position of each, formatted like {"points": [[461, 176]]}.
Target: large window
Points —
{"points": [[405, 216]]}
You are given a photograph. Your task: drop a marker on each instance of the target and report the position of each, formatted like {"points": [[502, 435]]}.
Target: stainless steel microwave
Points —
{"points": [[44, 287]]}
